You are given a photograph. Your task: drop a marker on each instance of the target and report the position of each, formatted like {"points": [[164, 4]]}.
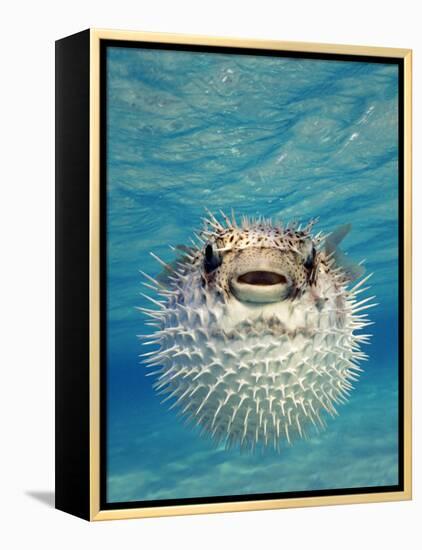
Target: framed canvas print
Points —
{"points": [[233, 274]]}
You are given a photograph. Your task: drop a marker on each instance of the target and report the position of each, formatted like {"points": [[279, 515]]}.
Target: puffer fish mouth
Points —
{"points": [[263, 278], [260, 286]]}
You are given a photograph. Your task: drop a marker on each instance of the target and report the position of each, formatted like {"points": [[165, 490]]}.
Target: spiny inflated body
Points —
{"points": [[257, 331]]}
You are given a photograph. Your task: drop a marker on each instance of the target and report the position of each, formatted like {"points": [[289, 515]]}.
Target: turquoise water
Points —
{"points": [[287, 138]]}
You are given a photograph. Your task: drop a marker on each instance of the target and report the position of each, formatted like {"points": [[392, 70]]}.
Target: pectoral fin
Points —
{"points": [[352, 270], [181, 252]]}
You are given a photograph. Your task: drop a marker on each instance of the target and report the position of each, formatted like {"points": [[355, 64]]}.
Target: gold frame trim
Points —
{"points": [[96, 514]]}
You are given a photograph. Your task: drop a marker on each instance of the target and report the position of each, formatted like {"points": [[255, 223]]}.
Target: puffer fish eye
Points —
{"points": [[212, 259], [310, 258]]}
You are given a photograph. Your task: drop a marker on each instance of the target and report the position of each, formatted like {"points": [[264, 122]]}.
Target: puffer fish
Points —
{"points": [[257, 331]]}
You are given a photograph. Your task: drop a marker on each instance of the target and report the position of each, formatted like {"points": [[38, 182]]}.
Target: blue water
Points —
{"points": [[287, 138]]}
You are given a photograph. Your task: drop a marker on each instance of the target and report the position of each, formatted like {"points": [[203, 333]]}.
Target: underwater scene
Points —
{"points": [[305, 151]]}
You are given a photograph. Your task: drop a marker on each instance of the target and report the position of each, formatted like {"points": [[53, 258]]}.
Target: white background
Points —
{"points": [[27, 37]]}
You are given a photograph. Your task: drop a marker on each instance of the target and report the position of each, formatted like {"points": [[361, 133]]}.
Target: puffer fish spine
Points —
{"points": [[250, 376]]}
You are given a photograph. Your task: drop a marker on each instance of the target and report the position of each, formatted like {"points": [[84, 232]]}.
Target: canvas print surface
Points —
{"points": [[252, 298]]}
